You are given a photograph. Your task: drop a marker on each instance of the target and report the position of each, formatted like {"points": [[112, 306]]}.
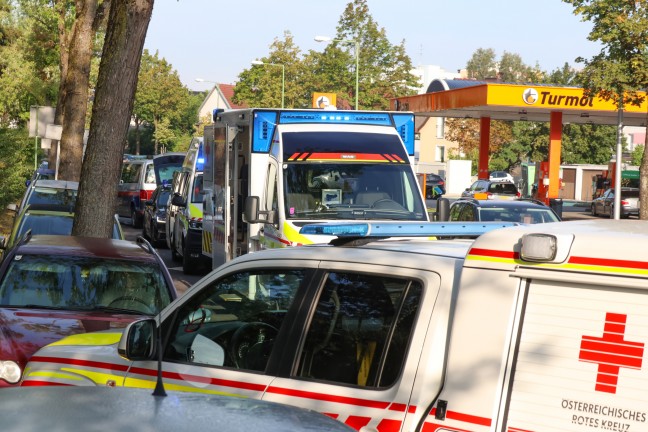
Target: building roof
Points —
{"points": [[220, 96]]}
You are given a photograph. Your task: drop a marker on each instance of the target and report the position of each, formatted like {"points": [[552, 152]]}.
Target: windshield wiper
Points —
{"points": [[117, 310], [37, 306]]}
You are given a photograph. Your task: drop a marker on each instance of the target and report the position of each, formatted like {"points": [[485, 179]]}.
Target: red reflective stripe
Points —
{"points": [[493, 253], [387, 425], [468, 418], [200, 379], [328, 398], [36, 383], [80, 362], [357, 422], [280, 240], [609, 262]]}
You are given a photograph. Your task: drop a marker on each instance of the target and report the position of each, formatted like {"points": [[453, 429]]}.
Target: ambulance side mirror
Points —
{"points": [[252, 214]]}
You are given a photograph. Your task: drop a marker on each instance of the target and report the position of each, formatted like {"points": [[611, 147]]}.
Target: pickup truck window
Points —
{"points": [[234, 322], [360, 330]]}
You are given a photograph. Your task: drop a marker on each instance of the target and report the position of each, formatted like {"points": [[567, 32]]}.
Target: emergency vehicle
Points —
{"points": [[527, 328], [184, 216], [270, 171]]}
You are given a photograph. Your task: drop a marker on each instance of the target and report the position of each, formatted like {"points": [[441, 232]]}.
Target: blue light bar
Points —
{"points": [[404, 124], [403, 229], [335, 117], [264, 126], [200, 159]]}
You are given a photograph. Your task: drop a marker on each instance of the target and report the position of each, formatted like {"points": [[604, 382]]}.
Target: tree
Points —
{"points": [[111, 113], [160, 102], [482, 65], [620, 69]]}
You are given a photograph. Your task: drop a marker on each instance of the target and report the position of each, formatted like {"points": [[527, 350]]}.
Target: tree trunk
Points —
{"points": [[76, 89], [111, 114], [643, 181]]}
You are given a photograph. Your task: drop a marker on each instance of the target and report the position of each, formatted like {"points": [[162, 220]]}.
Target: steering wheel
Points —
{"points": [[250, 345], [387, 204], [126, 298]]}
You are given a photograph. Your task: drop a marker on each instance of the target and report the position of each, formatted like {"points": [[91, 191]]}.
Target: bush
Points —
{"points": [[16, 164]]}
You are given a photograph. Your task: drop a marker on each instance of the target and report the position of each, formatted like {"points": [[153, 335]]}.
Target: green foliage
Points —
{"points": [[482, 65], [637, 155], [163, 103], [16, 164]]}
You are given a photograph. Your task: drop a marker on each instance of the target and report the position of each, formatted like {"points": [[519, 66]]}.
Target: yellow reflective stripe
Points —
{"points": [[51, 374], [195, 211], [292, 234], [207, 241], [90, 339], [140, 383], [97, 377]]}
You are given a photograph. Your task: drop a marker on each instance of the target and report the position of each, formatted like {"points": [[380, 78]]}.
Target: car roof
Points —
{"points": [[57, 184], [104, 408], [84, 246]]}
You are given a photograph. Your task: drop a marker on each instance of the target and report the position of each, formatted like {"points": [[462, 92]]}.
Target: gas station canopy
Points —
{"points": [[478, 99]]}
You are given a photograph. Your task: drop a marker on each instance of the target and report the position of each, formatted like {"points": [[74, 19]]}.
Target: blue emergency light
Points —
{"points": [[403, 229], [200, 158]]}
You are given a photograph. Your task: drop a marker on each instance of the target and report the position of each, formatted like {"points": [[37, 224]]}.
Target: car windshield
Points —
{"points": [[525, 215], [502, 188], [83, 283], [351, 191], [54, 196], [197, 191]]}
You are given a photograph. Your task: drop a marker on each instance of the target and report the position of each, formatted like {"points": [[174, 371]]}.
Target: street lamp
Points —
{"points": [[357, 57], [283, 76]]}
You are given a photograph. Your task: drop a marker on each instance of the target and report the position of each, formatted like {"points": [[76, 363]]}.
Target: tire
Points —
{"points": [[135, 221], [188, 267], [594, 211], [174, 255]]}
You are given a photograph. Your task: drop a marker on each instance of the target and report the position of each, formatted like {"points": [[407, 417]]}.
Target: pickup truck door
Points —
{"points": [[372, 386]]}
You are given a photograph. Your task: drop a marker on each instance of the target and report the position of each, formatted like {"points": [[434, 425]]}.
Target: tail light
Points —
{"points": [[518, 194], [145, 194], [624, 202]]}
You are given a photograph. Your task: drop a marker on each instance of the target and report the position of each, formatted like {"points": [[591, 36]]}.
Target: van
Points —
{"points": [[184, 215], [140, 176]]}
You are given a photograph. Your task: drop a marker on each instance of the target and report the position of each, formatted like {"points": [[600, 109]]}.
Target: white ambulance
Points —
{"points": [[525, 329]]}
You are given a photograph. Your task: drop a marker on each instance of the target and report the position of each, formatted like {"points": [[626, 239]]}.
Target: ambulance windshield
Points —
{"points": [[351, 191]]}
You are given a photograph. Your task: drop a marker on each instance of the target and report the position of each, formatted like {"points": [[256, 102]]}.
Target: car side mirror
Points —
{"points": [[138, 341], [252, 214], [178, 201]]}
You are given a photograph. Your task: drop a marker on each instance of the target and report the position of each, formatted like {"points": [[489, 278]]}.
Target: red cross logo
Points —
{"points": [[611, 352]]}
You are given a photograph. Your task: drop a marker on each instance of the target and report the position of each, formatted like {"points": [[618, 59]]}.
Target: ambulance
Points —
{"points": [[488, 327], [270, 171]]}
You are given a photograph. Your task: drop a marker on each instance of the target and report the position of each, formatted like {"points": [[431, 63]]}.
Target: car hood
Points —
{"points": [[24, 331]]}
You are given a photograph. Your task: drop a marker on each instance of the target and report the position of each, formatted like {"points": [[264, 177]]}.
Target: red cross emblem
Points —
{"points": [[611, 352]]}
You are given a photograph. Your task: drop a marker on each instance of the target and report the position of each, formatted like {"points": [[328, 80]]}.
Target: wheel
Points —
{"points": [[174, 254], [155, 237], [250, 345], [132, 299], [188, 267], [594, 210], [135, 221]]}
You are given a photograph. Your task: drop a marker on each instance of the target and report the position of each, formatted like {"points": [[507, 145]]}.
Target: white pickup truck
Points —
{"points": [[530, 328]]}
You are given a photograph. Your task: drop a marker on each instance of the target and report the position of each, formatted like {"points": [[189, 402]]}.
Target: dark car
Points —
{"points": [[487, 210], [486, 189], [46, 191], [56, 286], [604, 205], [154, 223]]}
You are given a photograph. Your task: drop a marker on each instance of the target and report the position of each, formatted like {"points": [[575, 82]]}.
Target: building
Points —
{"points": [[220, 96]]}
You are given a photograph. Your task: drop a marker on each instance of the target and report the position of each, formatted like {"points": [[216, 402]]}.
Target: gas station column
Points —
{"points": [[555, 146], [484, 147]]}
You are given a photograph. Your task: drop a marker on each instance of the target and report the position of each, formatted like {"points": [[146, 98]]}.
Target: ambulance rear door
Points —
{"points": [[578, 355]]}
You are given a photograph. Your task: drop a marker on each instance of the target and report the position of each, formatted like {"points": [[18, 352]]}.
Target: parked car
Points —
{"points": [[56, 286], [501, 176], [58, 409], [42, 173], [520, 210], [604, 205], [46, 191], [154, 224], [139, 178], [486, 189], [47, 219]]}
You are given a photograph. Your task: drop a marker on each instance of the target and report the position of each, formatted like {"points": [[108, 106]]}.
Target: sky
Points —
{"points": [[216, 40]]}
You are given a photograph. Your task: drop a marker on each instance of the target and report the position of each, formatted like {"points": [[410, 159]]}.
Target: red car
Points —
{"points": [[56, 286]]}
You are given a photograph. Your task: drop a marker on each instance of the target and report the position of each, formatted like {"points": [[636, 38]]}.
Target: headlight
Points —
{"points": [[160, 219], [10, 371]]}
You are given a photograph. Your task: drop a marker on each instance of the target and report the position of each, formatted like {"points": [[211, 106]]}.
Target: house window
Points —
{"points": [[440, 129], [440, 154]]}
